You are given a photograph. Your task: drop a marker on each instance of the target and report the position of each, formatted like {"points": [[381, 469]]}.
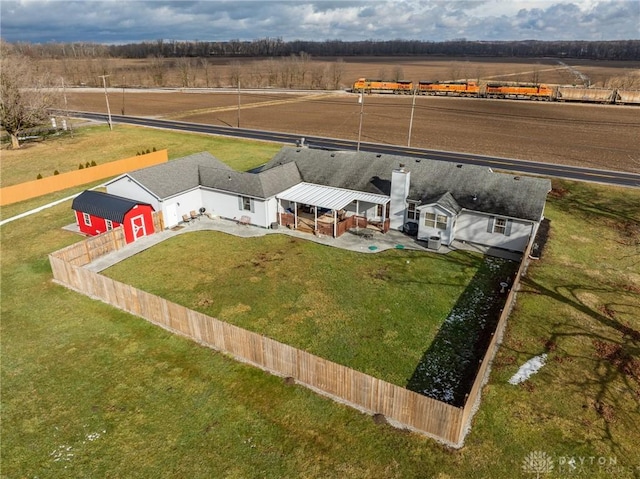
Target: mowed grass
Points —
{"points": [[89, 391], [97, 143], [377, 313]]}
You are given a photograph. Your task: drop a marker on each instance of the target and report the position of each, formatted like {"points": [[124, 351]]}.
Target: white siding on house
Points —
{"points": [[271, 211], [425, 232], [185, 203], [227, 205], [127, 188], [472, 227]]}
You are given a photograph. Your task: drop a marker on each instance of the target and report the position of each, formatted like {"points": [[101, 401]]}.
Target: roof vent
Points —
{"points": [[458, 166], [517, 178], [333, 155], [418, 160], [475, 198], [378, 155]]}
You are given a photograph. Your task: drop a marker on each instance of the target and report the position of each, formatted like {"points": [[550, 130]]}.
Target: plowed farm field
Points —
{"points": [[590, 135]]}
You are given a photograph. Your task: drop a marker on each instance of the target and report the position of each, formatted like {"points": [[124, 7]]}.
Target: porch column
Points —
{"points": [[279, 212], [315, 218], [357, 214], [384, 217], [335, 223], [295, 215]]}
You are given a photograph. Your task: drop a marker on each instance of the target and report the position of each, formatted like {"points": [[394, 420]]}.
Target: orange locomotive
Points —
{"points": [[383, 86], [455, 88], [522, 90]]}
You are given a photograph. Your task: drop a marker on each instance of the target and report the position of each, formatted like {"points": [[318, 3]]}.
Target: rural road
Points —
{"points": [[610, 177]]}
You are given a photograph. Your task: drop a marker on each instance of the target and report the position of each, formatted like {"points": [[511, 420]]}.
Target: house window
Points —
{"points": [[87, 219], [501, 226], [109, 224], [412, 212], [433, 220], [245, 203]]}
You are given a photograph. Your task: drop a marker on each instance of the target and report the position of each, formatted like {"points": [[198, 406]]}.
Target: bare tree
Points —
{"points": [[337, 71], [235, 73], [272, 72], [205, 65], [187, 74], [318, 76], [158, 71], [535, 75], [24, 97]]}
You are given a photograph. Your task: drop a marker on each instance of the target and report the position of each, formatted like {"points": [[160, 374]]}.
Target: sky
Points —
{"points": [[118, 22]]}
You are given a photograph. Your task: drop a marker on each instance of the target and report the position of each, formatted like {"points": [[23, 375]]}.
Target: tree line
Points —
{"points": [[624, 50]]}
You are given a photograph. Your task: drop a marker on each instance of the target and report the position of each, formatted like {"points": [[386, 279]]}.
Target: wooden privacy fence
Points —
{"points": [[31, 189], [401, 407]]}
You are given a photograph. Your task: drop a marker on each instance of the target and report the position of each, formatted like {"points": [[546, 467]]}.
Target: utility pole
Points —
{"points": [[66, 107], [123, 83], [361, 101], [104, 82], [238, 101], [413, 107]]}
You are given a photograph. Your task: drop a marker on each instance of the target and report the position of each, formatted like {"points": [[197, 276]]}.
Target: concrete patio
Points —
{"points": [[374, 243]]}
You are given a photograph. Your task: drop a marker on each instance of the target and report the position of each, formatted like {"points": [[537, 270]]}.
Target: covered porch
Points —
{"points": [[329, 211]]}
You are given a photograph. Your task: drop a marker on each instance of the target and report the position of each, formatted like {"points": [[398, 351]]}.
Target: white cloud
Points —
{"points": [[117, 21]]}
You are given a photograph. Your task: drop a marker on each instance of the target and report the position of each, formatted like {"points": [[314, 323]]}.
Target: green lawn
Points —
{"points": [[89, 391], [98, 144], [375, 313]]}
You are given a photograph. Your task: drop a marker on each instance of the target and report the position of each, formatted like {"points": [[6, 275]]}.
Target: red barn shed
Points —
{"points": [[97, 212]]}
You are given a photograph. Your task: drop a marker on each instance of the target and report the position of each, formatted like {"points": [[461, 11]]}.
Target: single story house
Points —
{"points": [[328, 192], [98, 212]]}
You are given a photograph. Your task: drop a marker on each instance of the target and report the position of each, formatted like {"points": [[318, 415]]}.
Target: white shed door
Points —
{"points": [[138, 227], [172, 215]]}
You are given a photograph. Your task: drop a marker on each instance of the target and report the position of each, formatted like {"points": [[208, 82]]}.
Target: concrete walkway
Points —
{"points": [[379, 242]]}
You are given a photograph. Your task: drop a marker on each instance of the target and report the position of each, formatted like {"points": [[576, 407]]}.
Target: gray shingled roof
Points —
{"points": [[446, 200], [259, 185], [472, 187], [203, 169], [168, 179]]}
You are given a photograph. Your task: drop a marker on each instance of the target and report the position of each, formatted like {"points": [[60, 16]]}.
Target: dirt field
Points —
{"points": [[599, 136]]}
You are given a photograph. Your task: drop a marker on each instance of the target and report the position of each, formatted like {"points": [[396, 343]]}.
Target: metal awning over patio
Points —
{"points": [[328, 197]]}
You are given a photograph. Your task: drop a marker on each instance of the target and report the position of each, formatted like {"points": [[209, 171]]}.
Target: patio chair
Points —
{"points": [[194, 215], [186, 218]]}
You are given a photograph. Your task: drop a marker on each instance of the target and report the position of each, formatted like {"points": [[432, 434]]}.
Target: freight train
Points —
{"points": [[502, 90]]}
